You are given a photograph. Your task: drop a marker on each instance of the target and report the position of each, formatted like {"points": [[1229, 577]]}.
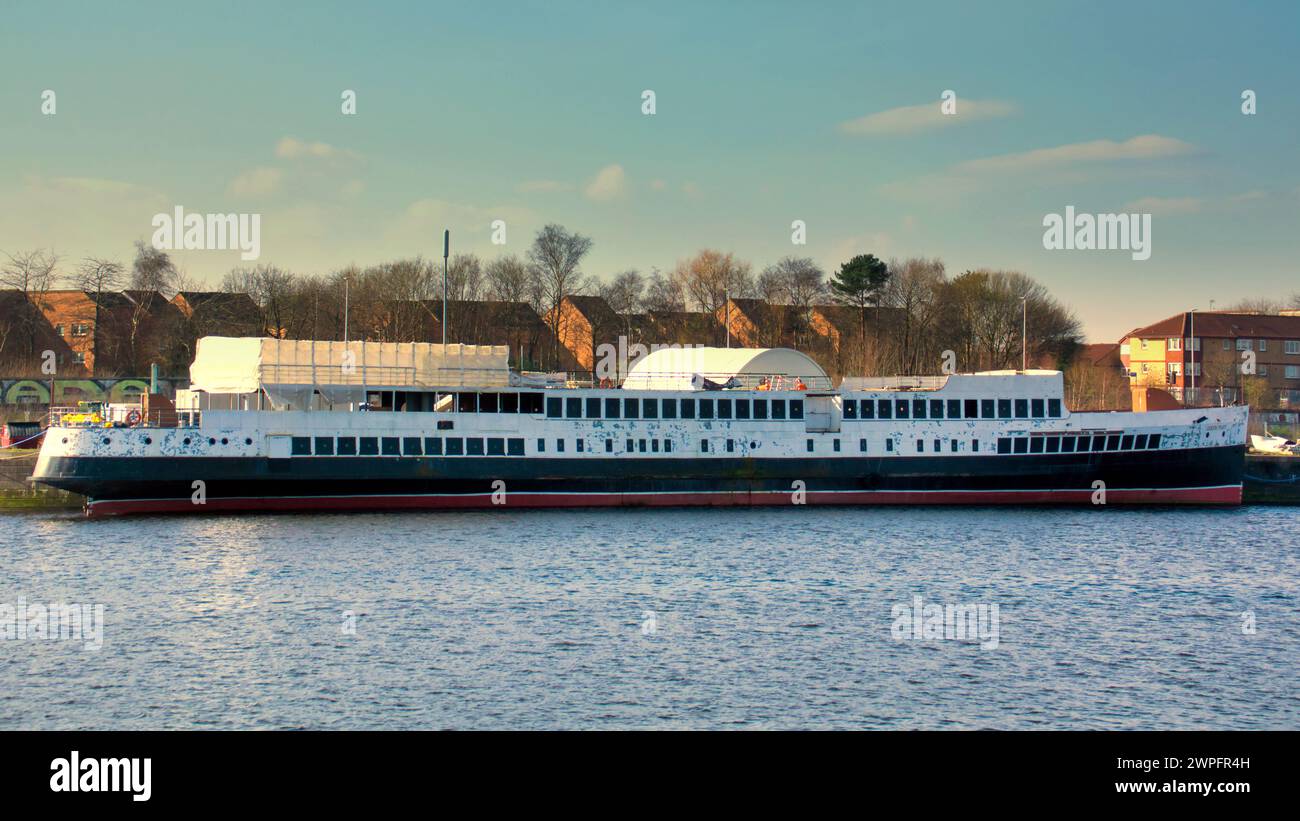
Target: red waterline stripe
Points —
{"points": [[1220, 495]]}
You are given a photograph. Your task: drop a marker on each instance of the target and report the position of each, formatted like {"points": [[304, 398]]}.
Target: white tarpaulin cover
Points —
{"points": [[677, 368], [246, 364]]}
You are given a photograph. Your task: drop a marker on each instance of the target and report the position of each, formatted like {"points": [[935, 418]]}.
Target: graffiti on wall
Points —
{"points": [[72, 391]]}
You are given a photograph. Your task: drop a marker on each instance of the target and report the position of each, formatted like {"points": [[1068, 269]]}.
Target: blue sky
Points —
{"points": [[471, 112]]}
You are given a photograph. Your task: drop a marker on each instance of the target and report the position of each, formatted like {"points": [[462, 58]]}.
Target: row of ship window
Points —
{"points": [[514, 446], [952, 408], [613, 407]]}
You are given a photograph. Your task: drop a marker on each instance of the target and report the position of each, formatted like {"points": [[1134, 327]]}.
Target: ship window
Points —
{"points": [[347, 446], [724, 408], [631, 446], [541, 446], [954, 445], [810, 446], [496, 446], [1004, 445], [778, 408], [938, 445], [669, 410], [688, 408], [1036, 408], [559, 446], [1112, 442], [473, 447], [515, 447], [554, 407], [392, 446], [1067, 444], [609, 445], [1098, 443], [301, 446], [836, 445], [573, 407], [954, 408], [760, 408], [324, 446], [640, 446], [455, 446], [446, 424], [986, 408], [369, 446], [850, 409], [742, 408], [510, 403], [593, 408], [1126, 443], [467, 402], [901, 406], [611, 407], [918, 408], [668, 446], [650, 408], [1154, 441], [1053, 444], [1022, 408], [731, 445], [796, 408], [1141, 442], [868, 408], [581, 444], [654, 445], [411, 446], [1054, 408], [1021, 445], [706, 408], [889, 445], [975, 446], [862, 445], [1004, 408], [886, 409], [936, 408], [487, 403], [631, 409], [704, 446], [920, 446], [1036, 445], [432, 446], [530, 402], [971, 409]]}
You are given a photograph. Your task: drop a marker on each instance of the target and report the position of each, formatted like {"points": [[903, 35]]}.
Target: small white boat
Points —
{"points": [[1269, 443]]}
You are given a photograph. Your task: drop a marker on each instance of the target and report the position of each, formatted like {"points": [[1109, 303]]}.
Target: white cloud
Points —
{"points": [[292, 148], [610, 183], [424, 220], [256, 182], [1144, 147], [913, 118], [1165, 205]]}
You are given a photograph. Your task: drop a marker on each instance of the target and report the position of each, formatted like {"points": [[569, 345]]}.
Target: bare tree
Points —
{"points": [[508, 279], [664, 293], [712, 276], [153, 270], [555, 256], [31, 275]]}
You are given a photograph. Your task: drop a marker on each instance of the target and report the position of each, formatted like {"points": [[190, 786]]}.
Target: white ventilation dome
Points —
{"points": [[684, 369]]}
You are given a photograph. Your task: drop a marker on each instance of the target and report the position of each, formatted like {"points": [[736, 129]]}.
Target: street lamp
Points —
{"points": [[1024, 333]]}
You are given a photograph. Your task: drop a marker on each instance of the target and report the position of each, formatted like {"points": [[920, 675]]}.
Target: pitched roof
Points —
{"points": [[1224, 324], [595, 309]]}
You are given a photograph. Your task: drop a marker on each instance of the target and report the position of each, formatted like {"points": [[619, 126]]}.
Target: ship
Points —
{"points": [[302, 425]]}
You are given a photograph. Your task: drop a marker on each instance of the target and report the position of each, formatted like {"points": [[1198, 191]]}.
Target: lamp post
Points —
{"points": [[1191, 354], [1024, 333], [346, 277], [446, 248]]}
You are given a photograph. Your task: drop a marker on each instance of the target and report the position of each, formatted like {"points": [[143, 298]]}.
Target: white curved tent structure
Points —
{"points": [[684, 369]]}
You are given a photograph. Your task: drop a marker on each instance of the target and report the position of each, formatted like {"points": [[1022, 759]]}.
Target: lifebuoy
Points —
{"points": [[133, 417]]}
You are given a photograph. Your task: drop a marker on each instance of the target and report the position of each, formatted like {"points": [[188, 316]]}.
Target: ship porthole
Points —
{"points": [[248, 441], [148, 440], [187, 440], [106, 440], [65, 441], [212, 441], [225, 441]]}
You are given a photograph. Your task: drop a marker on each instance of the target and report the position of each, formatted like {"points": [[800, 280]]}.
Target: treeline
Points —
{"points": [[895, 316]]}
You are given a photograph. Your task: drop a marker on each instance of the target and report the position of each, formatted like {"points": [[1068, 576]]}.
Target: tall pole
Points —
{"points": [[346, 277], [446, 248], [1191, 355], [1024, 333], [726, 313]]}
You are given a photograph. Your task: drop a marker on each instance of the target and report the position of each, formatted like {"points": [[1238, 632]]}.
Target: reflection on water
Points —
{"points": [[676, 618]]}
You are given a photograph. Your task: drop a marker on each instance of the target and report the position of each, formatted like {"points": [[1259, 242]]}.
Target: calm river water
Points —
{"points": [[775, 618]]}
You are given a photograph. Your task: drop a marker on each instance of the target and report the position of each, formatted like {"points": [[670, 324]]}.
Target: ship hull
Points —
{"points": [[119, 486]]}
